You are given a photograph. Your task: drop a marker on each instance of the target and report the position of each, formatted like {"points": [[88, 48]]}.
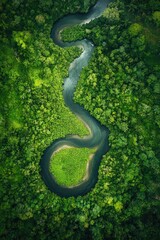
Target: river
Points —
{"points": [[98, 137]]}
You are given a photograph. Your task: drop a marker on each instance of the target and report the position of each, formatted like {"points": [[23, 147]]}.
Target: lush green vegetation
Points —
{"points": [[69, 165], [120, 87]]}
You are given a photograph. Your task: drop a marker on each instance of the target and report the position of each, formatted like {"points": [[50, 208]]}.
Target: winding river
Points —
{"points": [[98, 134]]}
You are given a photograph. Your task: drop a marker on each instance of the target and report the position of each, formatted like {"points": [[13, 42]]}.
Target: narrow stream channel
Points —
{"points": [[98, 134]]}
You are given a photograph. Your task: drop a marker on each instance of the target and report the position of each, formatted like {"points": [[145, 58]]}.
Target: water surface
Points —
{"points": [[98, 134]]}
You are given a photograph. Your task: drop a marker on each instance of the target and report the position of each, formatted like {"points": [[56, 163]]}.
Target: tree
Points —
{"points": [[135, 29], [156, 17]]}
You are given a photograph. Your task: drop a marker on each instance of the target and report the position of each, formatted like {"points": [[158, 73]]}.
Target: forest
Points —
{"points": [[120, 87]]}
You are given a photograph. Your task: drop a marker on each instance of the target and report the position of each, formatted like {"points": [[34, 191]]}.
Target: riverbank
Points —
{"points": [[79, 175]]}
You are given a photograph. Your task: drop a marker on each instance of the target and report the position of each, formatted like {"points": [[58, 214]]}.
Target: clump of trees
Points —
{"points": [[135, 29], [156, 17]]}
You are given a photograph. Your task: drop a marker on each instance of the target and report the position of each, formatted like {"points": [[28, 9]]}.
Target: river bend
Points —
{"points": [[98, 137]]}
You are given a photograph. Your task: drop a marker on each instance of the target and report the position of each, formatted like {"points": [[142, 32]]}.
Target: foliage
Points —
{"points": [[69, 165], [135, 29], [112, 14], [156, 17], [120, 87], [40, 19]]}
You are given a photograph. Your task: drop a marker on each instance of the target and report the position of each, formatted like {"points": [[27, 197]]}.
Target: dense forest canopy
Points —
{"points": [[120, 88]]}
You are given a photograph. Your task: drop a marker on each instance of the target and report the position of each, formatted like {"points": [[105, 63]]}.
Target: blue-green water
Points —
{"points": [[98, 134]]}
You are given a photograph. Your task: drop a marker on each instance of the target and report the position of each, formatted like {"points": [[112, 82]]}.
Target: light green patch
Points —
{"points": [[16, 124], [118, 206], [112, 14], [69, 165], [34, 75], [135, 29], [22, 38], [38, 82], [14, 110], [156, 17]]}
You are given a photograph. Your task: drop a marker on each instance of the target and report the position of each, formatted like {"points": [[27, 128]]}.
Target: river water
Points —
{"points": [[98, 134]]}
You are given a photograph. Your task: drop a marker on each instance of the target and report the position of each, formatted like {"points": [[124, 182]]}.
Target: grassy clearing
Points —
{"points": [[69, 165]]}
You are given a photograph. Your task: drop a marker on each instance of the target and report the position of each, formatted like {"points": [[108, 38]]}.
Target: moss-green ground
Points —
{"points": [[69, 165]]}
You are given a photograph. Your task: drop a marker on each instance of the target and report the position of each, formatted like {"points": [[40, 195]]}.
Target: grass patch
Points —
{"points": [[69, 165]]}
